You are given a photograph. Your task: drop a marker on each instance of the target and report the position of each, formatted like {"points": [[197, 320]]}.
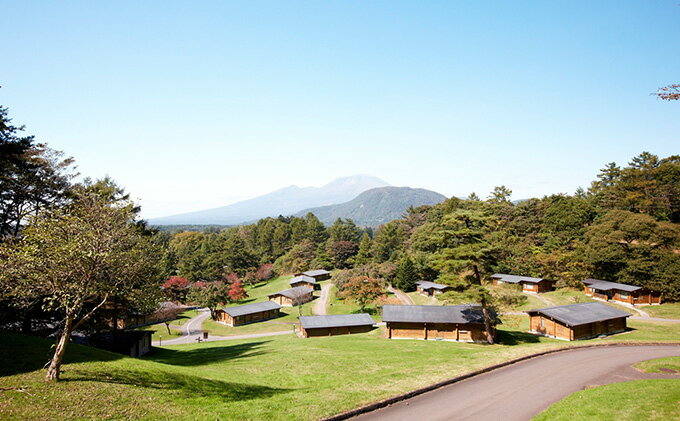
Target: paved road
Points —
{"points": [[522, 390], [321, 304], [405, 299]]}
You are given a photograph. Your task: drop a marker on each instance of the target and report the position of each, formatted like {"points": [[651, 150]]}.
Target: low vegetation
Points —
{"points": [[655, 399], [660, 365], [665, 311]]}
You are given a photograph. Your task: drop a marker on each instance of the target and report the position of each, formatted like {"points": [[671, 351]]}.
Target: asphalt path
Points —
{"points": [[521, 391]]}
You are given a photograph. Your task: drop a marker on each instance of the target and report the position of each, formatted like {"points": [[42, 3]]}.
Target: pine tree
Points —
{"points": [[365, 253], [406, 277]]}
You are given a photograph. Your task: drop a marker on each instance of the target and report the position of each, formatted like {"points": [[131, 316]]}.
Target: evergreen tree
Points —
{"points": [[365, 254], [406, 277]]}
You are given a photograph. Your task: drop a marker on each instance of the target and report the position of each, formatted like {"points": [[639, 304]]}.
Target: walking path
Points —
{"points": [[545, 300], [401, 295], [192, 330], [321, 305], [522, 390]]}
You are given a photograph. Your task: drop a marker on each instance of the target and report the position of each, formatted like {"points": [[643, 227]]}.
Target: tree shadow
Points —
{"points": [[23, 353], [515, 337], [189, 386], [205, 354]]}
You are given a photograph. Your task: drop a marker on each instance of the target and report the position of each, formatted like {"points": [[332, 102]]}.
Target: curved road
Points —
{"points": [[520, 391]]}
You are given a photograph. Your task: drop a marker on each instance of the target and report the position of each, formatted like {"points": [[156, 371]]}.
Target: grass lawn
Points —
{"points": [[665, 311], [279, 377], [657, 399], [532, 302], [564, 296], [660, 365], [337, 305], [422, 300]]}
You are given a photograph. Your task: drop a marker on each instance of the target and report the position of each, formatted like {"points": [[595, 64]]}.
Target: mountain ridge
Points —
{"points": [[284, 201], [376, 206]]}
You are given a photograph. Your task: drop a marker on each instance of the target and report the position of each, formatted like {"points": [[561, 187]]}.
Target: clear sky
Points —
{"points": [[191, 105]]}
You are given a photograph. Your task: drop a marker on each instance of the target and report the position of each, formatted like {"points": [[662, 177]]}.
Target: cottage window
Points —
{"points": [[542, 322], [624, 295], [463, 331]]}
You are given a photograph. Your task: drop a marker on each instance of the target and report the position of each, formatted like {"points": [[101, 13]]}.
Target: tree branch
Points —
{"points": [[91, 312]]}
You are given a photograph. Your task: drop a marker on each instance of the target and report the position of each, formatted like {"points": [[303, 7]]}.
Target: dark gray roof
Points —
{"points": [[303, 278], [428, 285], [295, 292], [608, 286], [317, 272], [580, 314], [516, 279], [466, 313], [336, 320], [251, 308]]}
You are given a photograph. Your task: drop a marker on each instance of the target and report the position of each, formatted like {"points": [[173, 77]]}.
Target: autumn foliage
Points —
{"points": [[362, 290]]}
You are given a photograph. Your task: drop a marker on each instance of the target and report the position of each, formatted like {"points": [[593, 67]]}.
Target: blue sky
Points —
{"points": [[198, 104]]}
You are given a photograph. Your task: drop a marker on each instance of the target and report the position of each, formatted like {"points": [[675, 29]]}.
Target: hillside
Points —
{"points": [[377, 206], [285, 201]]}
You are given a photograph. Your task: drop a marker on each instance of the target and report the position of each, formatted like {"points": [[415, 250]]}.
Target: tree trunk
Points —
{"points": [[477, 275], [167, 325], [487, 324], [55, 365]]}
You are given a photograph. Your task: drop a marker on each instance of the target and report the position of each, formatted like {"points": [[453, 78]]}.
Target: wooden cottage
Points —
{"points": [[528, 283], [318, 274], [338, 324], [292, 296], [622, 293], [304, 281], [134, 343], [464, 323], [249, 313], [577, 321], [430, 288]]}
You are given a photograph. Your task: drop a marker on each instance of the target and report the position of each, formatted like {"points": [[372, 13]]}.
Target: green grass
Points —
{"points": [[279, 377], [337, 305], [532, 302], [656, 365], [657, 399], [423, 300], [566, 296], [665, 311]]}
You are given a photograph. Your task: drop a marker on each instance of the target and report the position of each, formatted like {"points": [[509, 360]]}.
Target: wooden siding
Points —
{"points": [[282, 300], [548, 327], [642, 296], [462, 332], [303, 284], [333, 331], [221, 316]]}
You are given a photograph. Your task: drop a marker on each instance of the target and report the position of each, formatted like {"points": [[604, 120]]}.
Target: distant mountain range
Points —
{"points": [[367, 200], [376, 206], [286, 201]]}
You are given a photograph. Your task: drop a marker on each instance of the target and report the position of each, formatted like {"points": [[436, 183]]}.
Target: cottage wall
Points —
{"points": [[333, 331], [463, 332], [548, 327], [223, 317]]}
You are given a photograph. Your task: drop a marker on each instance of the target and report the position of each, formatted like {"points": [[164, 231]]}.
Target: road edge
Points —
{"points": [[401, 397]]}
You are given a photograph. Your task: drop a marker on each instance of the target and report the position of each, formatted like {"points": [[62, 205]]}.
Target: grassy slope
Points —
{"points": [[268, 378], [666, 311], [657, 399], [655, 366], [566, 296]]}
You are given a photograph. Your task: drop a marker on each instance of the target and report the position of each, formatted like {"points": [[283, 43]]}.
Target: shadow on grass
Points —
{"points": [[23, 353], [515, 337], [189, 386], [205, 354]]}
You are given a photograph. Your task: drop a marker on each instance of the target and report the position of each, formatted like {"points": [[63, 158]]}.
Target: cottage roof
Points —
{"points": [[580, 314], [295, 292], [515, 279], [317, 272], [303, 278], [428, 285], [336, 320], [608, 286], [466, 313], [251, 308]]}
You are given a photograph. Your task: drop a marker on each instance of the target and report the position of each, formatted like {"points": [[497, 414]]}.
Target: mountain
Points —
{"points": [[376, 206], [285, 201]]}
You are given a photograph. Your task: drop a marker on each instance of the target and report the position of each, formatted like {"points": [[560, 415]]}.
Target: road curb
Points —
{"points": [[398, 398]]}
